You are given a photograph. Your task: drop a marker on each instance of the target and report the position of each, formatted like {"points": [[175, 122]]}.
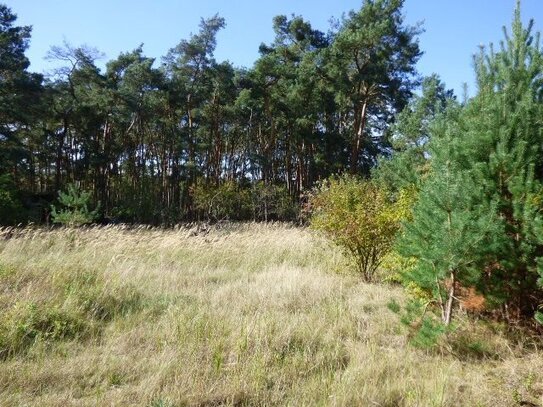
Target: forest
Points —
{"points": [[327, 227], [155, 141]]}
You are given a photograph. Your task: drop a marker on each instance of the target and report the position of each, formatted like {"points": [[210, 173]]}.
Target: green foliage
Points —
{"points": [[272, 202], [425, 330], [256, 201], [17, 85], [225, 201], [359, 217], [11, 209], [394, 266], [20, 93], [75, 211], [450, 233], [477, 224], [143, 138], [410, 139], [30, 322], [372, 61], [428, 333], [394, 306]]}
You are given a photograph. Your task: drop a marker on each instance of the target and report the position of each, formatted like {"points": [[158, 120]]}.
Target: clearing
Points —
{"points": [[243, 315]]}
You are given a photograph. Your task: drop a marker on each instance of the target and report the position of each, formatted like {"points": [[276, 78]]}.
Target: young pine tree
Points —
{"points": [[75, 207], [410, 138], [452, 231], [504, 150], [478, 222]]}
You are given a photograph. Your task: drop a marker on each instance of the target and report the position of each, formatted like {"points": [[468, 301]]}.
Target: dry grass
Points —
{"points": [[244, 316]]}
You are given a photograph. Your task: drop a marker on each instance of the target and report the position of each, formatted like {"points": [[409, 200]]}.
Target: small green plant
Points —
{"points": [[218, 357], [539, 317], [161, 403], [428, 333], [74, 209], [394, 306], [425, 330]]}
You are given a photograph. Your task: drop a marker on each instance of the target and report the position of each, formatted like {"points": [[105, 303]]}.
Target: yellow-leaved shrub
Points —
{"points": [[360, 217]]}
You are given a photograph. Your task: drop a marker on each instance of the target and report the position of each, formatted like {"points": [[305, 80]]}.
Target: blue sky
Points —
{"points": [[454, 28]]}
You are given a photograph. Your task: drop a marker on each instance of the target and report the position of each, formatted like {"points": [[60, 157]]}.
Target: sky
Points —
{"points": [[454, 29]]}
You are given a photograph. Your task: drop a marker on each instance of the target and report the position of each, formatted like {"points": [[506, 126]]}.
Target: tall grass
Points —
{"points": [[246, 315]]}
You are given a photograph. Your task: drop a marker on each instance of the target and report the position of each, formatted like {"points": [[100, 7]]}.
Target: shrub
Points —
{"points": [[272, 202], [257, 201], [75, 211], [222, 202], [360, 217], [394, 267]]}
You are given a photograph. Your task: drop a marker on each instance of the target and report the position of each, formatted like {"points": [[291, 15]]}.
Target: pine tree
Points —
{"points": [[478, 221], [74, 207], [410, 138], [452, 230], [503, 146], [372, 62], [20, 92]]}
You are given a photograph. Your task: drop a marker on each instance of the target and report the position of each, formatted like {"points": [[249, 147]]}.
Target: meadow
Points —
{"points": [[238, 315]]}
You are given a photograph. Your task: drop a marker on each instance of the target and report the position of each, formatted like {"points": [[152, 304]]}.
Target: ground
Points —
{"points": [[242, 315]]}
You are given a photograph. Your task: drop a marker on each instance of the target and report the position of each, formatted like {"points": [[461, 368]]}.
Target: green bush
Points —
{"points": [[272, 202], [75, 207], [257, 201], [225, 201], [360, 217]]}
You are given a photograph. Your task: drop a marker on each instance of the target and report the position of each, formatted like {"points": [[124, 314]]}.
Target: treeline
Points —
{"points": [[190, 137]]}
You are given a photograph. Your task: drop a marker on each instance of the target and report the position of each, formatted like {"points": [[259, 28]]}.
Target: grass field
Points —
{"points": [[244, 315]]}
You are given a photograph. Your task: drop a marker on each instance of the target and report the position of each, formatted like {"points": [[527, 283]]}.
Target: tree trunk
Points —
{"points": [[58, 162], [360, 125], [450, 299]]}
